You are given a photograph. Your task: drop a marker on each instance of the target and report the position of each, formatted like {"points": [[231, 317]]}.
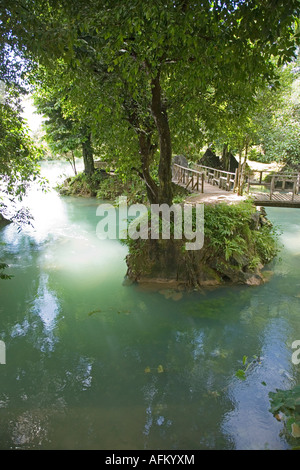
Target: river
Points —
{"points": [[94, 364]]}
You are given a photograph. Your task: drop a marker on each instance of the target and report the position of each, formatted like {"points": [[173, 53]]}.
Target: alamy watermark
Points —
{"points": [[2, 92], [2, 353], [296, 354], [137, 221]]}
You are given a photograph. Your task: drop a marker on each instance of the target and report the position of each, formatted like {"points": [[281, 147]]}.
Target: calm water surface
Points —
{"points": [[94, 364]]}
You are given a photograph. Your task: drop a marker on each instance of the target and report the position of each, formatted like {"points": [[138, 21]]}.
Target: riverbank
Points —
{"points": [[110, 186]]}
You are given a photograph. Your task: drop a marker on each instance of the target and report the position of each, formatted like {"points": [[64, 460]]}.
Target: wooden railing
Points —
{"points": [[281, 183], [101, 165], [189, 177], [223, 179]]}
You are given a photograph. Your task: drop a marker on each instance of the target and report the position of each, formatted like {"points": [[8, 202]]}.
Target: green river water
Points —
{"points": [[94, 364]]}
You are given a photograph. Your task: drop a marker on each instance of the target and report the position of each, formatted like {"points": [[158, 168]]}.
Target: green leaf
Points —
{"points": [[241, 374]]}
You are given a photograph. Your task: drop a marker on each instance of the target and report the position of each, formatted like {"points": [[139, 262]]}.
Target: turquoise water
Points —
{"points": [[94, 364]]}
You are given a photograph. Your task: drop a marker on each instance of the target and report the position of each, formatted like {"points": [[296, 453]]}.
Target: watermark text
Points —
{"points": [[2, 352], [296, 354], [137, 221]]}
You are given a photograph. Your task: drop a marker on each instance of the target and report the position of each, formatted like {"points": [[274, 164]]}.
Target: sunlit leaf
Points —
{"points": [[240, 374]]}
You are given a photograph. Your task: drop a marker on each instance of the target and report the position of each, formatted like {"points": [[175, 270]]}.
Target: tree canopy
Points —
{"points": [[18, 155], [151, 77]]}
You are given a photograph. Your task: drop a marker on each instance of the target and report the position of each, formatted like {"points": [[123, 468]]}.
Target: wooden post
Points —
{"points": [[272, 187], [294, 188], [248, 187], [228, 182], [295, 183], [235, 179]]}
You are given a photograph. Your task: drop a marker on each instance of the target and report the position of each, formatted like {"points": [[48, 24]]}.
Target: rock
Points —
{"points": [[254, 280], [127, 281], [163, 265], [171, 294], [180, 160], [210, 159], [165, 287], [177, 296], [167, 293], [233, 164], [255, 220]]}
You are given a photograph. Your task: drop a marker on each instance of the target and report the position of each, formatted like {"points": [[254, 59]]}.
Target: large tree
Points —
{"points": [[162, 54], [65, 134]]}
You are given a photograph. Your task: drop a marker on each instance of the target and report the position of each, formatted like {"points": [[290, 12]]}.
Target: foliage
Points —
{"points": [[247, 365], [18, 156], [2, 274], [235, 242], [267, 243], [288, 403], [82, 184], [104, 187], [277, 118], [239, 237], [67, 129], [227, 227], [60, 132], [157, 73], [113, 187]]}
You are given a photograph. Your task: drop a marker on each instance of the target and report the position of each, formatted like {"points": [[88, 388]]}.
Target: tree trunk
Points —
{"points": [[72, 162], [226, 158], [242, 178], [88, 155], [146, 152], [144, 131], [239, 173], [162, 124]]}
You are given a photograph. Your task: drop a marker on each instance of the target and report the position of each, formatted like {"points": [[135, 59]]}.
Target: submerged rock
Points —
{"points": [[171, 294]]}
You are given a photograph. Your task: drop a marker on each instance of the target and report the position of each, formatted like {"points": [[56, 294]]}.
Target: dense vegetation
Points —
{"points": [[238, 242], [135, 82]]}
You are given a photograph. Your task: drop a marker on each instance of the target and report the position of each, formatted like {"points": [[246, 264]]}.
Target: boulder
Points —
{"points": [[180, 160], [210, 159], [232, 163]]}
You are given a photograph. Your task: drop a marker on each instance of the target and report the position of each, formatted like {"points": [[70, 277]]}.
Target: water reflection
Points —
{"points": [[249, 426], [94, 364], [46, 306]]}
